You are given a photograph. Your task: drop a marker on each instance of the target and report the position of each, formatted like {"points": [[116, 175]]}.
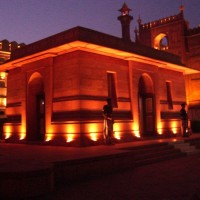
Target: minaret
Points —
{"points": [[125, 20], [181, 8]]}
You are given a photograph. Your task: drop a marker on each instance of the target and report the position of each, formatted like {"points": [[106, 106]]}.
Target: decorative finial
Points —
{"points": [[125, 9], [182, 8], [139, 20]]}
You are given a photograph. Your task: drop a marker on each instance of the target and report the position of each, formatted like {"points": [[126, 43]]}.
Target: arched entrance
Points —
{"points": [[146, 106], [35, 108]]}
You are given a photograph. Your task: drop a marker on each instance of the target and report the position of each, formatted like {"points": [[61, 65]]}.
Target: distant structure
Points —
{"points": [[6, 48], [172, 34], [57, 86]]}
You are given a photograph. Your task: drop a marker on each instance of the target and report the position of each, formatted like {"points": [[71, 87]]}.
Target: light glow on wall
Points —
{"points": [[92, 128], [174, 127], [22, 136], [136, 131], [116, 127], [7, 132], [159, 128], [70, 137], [137, 134], [49, 137], [94, 136], [3, 75], [70, 128], [7, 135], [3, 101], [117, 135], [50, 130], [160, 131]]}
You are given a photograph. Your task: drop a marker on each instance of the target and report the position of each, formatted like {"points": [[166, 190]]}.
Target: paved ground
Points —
{"points": [[174, 179], [177, 179], [15, 157]]}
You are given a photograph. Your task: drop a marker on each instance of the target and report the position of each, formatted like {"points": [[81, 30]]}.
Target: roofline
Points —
{"points": [[93, 37], [80, 38]]}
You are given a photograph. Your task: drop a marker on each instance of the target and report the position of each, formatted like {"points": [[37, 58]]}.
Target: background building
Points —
{"points": [[172, 34], [5, 50]]}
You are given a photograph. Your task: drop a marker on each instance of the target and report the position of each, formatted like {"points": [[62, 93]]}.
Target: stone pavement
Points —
{"points": [[179, 178]]}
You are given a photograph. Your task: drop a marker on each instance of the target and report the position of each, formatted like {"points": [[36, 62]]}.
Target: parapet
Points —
{"points": [[162, 21]]}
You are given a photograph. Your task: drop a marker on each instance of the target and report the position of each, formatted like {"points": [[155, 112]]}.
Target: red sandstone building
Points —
{"points": [[56, 87]]}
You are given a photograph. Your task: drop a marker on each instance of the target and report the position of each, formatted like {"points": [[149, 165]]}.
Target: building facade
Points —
{"points": [[5, 50], [172, 34], [58, 86]]}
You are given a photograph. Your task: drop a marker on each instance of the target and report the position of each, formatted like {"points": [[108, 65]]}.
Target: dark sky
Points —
{"points": [[31, 20]]}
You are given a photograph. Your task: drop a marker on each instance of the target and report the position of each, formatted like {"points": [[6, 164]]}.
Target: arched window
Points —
{"points": [[161, 42]]}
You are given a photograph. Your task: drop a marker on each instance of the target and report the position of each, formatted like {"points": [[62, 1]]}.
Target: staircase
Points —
{"points": [[149, 154], [194, 142], [190, 146], [54, 174], [127, 158]]}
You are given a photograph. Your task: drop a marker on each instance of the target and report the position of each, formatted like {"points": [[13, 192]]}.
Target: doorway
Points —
{"points": [[35, 108], [40, 110], [147, 106]]}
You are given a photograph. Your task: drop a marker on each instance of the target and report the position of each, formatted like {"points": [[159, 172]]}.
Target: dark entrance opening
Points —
{"points": [[146, 106], [40, 110], [35, 109]]}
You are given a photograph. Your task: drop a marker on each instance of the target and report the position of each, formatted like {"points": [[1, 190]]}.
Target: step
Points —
{"points": [[152, 160], [194, 142], [68, 171], [185, 147]]}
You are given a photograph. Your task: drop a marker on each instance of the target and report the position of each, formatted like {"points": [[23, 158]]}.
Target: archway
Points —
{"points": [[35, 108], [161, 42], [146, 106]]}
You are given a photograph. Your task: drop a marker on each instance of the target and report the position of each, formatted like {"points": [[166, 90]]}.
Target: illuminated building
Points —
{"points": [[5, 50], [57, 88], [173, 34]]}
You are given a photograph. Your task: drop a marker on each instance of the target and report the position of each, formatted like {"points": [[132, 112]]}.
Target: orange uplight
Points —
{"points": [[7, 135], [92, 129], [4, 101], [69, 137], [137, 134], [94, 136], [7, 132], [159, 128], [116, 127], [22, 136], [50, 130], [49, 137], [174, 125], [117, 135], [2, 75], [174, 130], [71, 128], [160, 132]]}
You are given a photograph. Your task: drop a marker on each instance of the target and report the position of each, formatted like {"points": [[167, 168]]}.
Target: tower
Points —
{"points": [[125, 20], [167, 34]]}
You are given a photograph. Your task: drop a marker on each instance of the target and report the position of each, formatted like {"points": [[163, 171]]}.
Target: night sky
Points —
{"points": [[26, 21]]}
